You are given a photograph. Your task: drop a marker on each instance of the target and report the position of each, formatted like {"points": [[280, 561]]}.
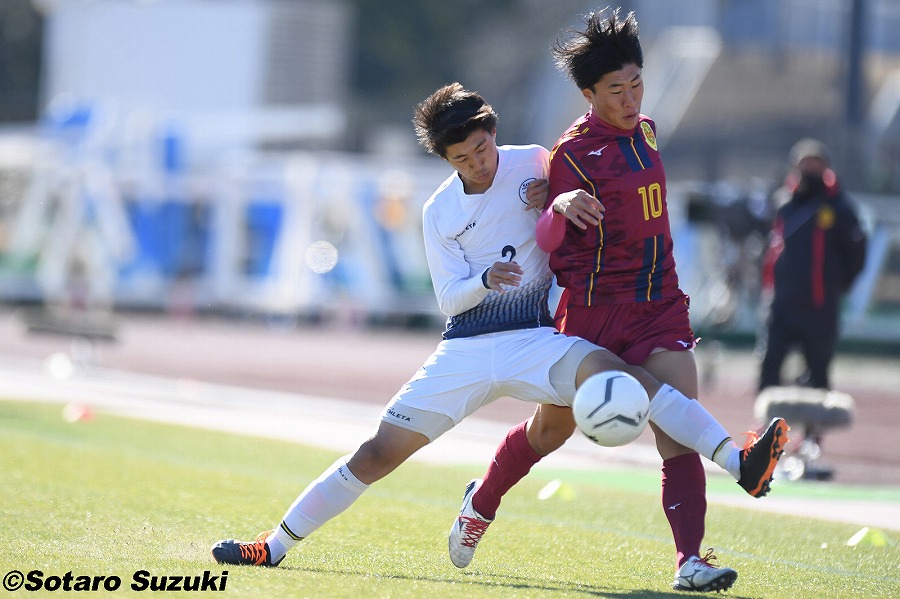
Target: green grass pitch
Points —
{"points": [[114, 496]]}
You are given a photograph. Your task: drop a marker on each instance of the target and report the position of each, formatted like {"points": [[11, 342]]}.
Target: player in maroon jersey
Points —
{"points": [[607, 229]]}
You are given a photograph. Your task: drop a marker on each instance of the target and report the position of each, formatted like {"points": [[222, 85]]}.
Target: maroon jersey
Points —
{"points": [[627, 258]]}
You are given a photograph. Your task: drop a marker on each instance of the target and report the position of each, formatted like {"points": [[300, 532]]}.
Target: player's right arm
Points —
{"points": [[457, 285], [580, 207], [570, 202]]}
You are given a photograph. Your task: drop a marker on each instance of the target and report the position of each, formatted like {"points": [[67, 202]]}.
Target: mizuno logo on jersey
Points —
{"points": [[598, 152]]}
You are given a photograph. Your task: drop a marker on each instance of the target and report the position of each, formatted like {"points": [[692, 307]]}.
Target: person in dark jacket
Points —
{"points": [[817, 249]]}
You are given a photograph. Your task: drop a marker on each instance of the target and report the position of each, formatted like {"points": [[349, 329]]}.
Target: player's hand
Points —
{"points": [[536, 195], [580, 207], [503, 276]]}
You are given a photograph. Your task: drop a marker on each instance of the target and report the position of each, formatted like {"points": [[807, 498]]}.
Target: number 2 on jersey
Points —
{"points": [[651, 196]]}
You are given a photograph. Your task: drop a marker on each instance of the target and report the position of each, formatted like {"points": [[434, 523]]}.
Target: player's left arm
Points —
{"points": [[539, 186], [536, 195]]}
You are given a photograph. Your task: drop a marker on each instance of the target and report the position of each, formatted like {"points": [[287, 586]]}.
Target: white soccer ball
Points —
{"points": [[611, 408]]}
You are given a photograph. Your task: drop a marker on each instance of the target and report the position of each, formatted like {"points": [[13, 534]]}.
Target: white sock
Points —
{"points": [[326, 497], [689, 423], [730, 460]]}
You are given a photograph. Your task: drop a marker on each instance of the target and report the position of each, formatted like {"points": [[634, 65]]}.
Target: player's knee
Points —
{"points": [[547, 434], [373, 461], [598, 361], [381, 454], [666, 446], [604, 360]]}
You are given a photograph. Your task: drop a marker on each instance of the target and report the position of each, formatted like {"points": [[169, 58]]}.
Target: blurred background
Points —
{"points": [[255, 158]]}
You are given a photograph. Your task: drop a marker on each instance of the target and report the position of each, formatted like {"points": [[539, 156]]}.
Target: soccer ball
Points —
{"points": [[611, 408]]}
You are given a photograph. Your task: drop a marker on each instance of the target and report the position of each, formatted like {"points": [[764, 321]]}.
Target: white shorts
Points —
{"points": [[465, 374]]}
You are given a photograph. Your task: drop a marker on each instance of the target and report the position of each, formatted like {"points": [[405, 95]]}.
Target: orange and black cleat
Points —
{"points": [[238, 553], [760, 456]]}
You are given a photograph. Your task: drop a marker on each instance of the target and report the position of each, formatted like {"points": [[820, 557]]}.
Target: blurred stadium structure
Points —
{"points": [[191, 155]]}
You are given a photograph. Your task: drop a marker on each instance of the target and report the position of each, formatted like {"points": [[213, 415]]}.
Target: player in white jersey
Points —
{"points": [[465, 233], [492, 281]]}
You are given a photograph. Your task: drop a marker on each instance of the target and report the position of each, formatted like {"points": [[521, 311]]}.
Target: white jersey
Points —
{"points": [[465, 235]]}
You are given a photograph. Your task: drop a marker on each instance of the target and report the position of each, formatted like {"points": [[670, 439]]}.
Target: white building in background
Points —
{"points": [[230, 72]]}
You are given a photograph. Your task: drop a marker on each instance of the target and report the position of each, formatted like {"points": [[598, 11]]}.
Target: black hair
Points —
{"points": [[449, 116], [605, 45]]}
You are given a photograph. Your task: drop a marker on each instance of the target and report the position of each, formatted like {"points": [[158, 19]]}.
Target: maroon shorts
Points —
{"points": [[633, 331]]}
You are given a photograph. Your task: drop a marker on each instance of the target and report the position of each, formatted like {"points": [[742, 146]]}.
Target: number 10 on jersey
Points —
{"points": [[651, 196]]}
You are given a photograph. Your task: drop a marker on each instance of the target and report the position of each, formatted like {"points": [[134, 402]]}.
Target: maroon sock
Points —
{"points": [[684, 501], [512, 461]]}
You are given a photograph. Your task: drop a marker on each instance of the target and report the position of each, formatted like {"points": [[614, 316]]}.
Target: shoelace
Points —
{"points": [[473, 530], [752, 438], [708, 559], [255, 552]]}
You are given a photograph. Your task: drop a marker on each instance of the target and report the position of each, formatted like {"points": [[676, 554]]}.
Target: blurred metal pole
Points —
{"points": [[855, 98], [855, 87]]}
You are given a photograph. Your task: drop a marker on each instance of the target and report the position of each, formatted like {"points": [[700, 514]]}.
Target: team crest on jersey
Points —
{"points": [[649, 137], [524, 188]]}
